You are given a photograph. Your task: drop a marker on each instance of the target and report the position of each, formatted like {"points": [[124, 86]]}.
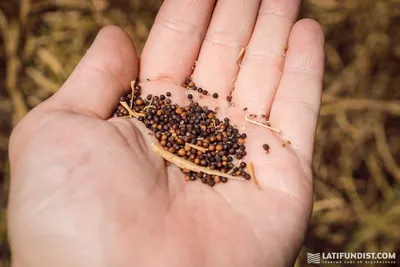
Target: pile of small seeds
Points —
{"points": [[191, 132]]}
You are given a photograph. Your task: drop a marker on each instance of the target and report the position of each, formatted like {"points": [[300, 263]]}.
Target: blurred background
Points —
{"points": [[357, 152]]}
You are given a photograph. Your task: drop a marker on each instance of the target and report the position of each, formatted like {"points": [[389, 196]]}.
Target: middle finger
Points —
{"points": [[230, 30]]}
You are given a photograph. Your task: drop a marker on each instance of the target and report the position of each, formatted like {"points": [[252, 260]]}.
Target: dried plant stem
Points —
{"points": [[330, 108], [131, 112], [236, 166], [149, 106], [133, 83], [185, 164], [384, 151], [241, 54], [11, 34], [199, 148], [261, 124], [253, 175]]}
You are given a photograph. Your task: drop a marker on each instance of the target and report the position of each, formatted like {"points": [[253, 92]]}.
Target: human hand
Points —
{"points": [[87, 190]]}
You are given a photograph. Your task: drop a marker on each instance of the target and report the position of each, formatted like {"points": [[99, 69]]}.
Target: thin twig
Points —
{"points": [[199, 148], [185, 164], [253, 175], [133, 83], [241, 54], [149, 106], [131, 112], [236, 166], [262, 125]]}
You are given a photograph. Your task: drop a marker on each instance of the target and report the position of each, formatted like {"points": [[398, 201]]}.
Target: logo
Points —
{"points": [[314, 258], [352, 258]]}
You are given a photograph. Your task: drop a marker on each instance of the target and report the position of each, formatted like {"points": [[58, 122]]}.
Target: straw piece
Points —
{"points": [[262, 125], [241, 54], [199, 148], [188, 165], [131, 112], [250, 166]]}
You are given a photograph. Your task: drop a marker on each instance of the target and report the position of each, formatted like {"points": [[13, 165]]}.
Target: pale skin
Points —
{"points": [[87, 190]]}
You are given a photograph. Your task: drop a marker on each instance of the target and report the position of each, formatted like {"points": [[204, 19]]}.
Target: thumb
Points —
{"points": [[103, 75]]}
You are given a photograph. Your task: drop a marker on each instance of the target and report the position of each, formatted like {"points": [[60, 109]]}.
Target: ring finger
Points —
{"points": [[262, 64]]}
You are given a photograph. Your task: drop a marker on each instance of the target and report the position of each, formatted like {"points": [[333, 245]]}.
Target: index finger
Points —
{"points": [[175, 38]]}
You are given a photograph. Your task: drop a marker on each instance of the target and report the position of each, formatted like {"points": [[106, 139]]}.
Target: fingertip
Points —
{"points": [[102, 76], [306, 48], [114, 49], [308, 29]]}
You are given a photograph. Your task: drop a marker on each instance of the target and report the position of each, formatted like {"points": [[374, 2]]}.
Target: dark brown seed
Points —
{"points": [[266, 147], [174, 126], [224, 179], [229, 98]]}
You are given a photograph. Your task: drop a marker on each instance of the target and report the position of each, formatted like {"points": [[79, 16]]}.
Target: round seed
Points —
{"points": [[181, 152]]}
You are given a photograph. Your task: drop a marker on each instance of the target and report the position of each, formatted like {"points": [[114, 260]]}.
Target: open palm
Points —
{"points": [[88, 190]]}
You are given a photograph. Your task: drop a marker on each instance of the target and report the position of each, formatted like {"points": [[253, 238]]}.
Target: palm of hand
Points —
{"points": [[97, 193]]}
